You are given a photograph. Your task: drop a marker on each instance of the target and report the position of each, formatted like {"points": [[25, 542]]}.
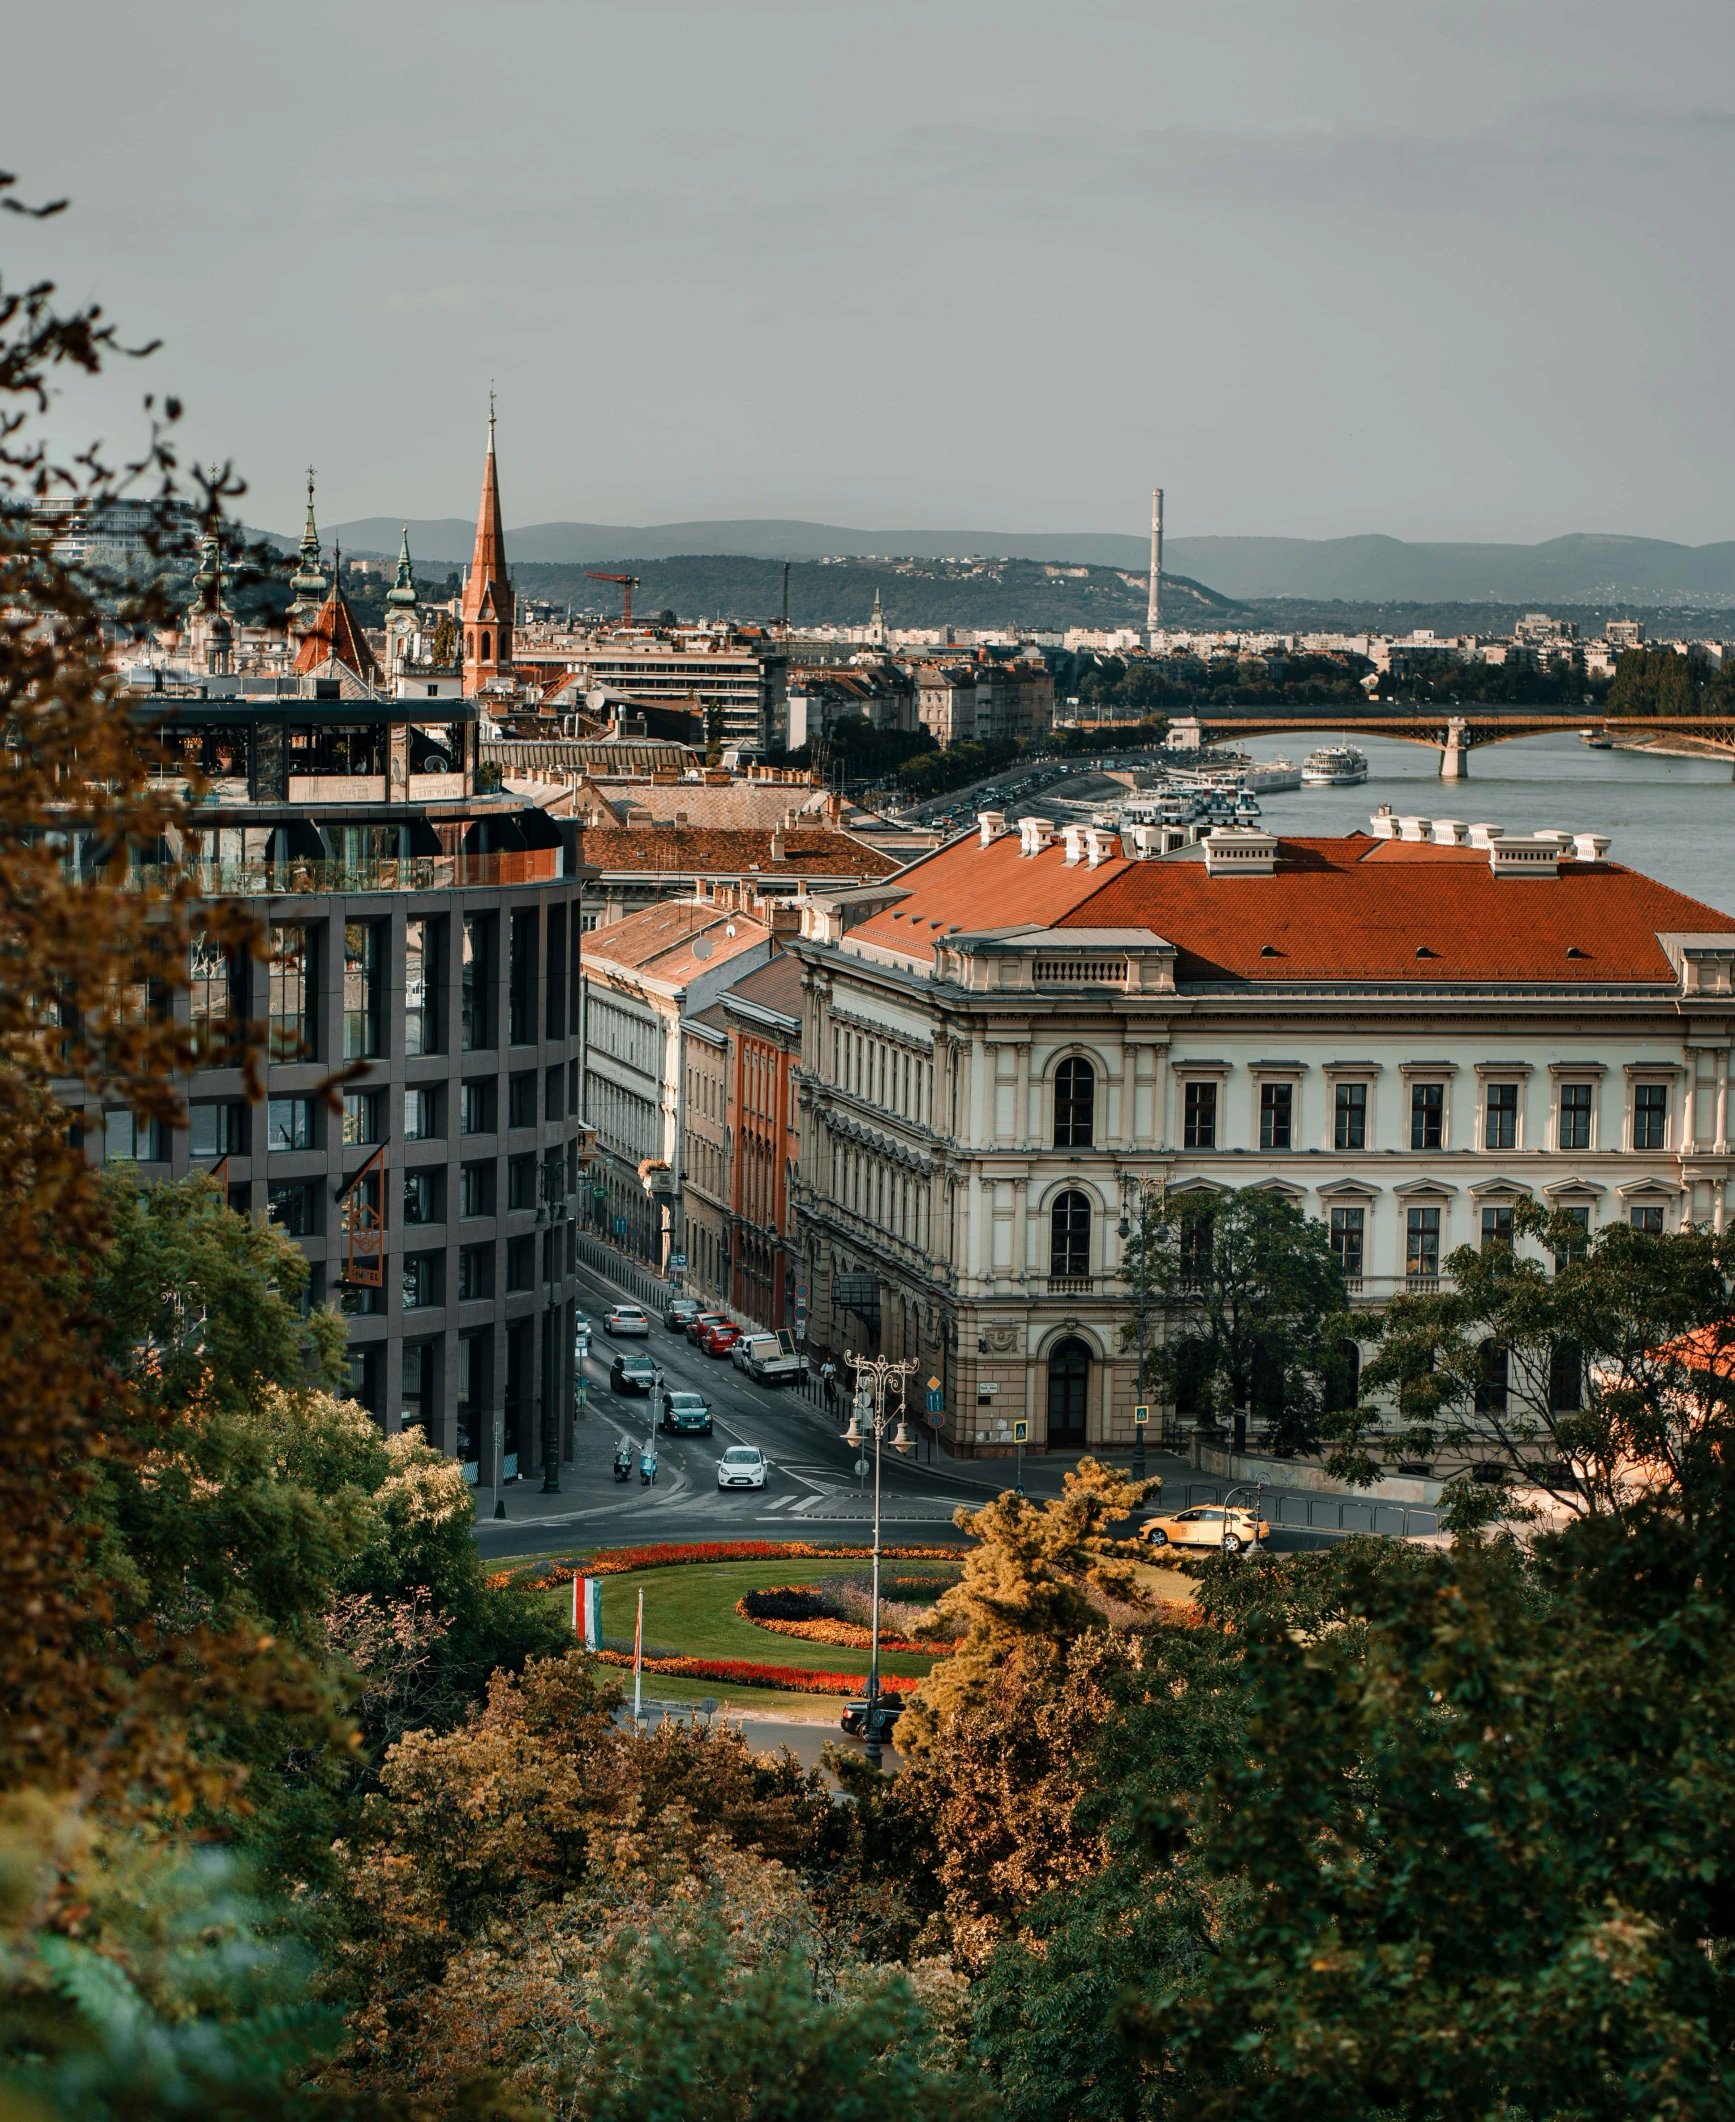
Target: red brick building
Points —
{"points": [[762, 1016]]}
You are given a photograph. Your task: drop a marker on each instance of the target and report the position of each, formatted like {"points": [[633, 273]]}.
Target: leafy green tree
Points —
{"points": [[1585, 1366], [1253, 1305]]}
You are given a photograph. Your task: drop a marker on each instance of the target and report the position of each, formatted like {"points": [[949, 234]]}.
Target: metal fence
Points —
{"points": [[627, 1273], [1295, 1511]]}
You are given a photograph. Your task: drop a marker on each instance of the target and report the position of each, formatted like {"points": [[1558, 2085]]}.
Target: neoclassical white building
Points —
{"points": [[1404, 1031]]}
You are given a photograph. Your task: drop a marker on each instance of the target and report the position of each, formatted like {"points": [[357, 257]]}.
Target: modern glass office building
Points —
{"points": [[425, 933]]}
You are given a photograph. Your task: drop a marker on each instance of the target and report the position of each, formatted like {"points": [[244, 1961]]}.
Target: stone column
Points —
{"points": [[1722, 1141], [1455, 758]]}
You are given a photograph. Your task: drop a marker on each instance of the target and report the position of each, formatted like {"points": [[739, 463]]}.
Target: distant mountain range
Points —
{"points": [[1580, 569]]}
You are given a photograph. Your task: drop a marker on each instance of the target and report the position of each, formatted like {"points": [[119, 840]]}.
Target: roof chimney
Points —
{"points": [[1525, 858], [1073, 836], [1590, 847], [1240, 851], [777, 845], [1034, 835], [992, 824], [1486, 835], [1099, 845]]}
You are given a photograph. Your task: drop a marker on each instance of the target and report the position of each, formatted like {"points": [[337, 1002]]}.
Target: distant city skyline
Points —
{"points": [[1442, 273]]}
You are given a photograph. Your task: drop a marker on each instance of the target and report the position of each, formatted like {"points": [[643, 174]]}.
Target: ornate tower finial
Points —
{"points": [[403, 591], [307, 582]]}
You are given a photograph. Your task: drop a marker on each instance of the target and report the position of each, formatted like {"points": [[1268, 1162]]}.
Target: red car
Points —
{"points": [[697, 1326], [718, 1340]]}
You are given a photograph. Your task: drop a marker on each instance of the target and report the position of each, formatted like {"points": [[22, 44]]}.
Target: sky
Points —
{"points": [[1318, 267]]}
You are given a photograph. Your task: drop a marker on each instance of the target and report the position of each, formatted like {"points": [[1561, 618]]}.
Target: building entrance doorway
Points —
{"points": [[1068, 1392]]}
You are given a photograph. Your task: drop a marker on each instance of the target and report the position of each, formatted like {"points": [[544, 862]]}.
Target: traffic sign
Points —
{"points": [[620, 1226], [1021, 1432], [677, 1260], [1141, 1415]]}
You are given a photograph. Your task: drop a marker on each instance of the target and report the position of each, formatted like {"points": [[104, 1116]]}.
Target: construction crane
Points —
{"points": [[628, 584]]}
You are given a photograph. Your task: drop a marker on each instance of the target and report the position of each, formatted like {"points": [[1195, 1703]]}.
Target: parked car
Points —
{"points": [[697, 1324], [632, 1374], [741, 1466], [679, 1311], [628, 1319], [719, 1339], [888, 1708], [686, 1415], [1206, 1527]]}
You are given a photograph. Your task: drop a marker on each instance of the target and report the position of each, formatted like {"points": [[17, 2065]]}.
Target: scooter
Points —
{"points": [[623, 1464], [647, 1468]]}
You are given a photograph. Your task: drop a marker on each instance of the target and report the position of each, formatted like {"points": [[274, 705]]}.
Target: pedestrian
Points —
{"points": [[828, 1372]]}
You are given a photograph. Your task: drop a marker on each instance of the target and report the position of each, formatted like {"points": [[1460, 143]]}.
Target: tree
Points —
{"points": [[1253, 1304], [1591, 1369]]}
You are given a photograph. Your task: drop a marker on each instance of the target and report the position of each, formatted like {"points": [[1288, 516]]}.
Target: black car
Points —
{"points": [[686, 1415], [632, 1374], [888, 1708], [678, 1311]]}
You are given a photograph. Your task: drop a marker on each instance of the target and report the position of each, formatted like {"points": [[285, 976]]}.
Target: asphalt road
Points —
{"points": [[812, 1491]]}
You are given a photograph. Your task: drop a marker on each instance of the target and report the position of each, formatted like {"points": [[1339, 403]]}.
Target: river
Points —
{"points": [[1672, 818]]}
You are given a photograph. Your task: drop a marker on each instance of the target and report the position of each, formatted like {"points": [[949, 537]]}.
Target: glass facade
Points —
{"points": [[362, 990], [290, 978]]}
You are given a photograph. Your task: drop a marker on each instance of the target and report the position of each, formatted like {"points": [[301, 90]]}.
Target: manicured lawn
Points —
{"points": [[691, 1611]]}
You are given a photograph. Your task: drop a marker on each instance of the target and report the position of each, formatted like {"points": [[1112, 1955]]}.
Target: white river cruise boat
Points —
{"points": [[1334, 766]]}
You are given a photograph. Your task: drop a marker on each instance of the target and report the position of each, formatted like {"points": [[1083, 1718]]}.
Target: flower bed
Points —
{"points": [[621, 1561], [799, 1610], [786, 1679]]}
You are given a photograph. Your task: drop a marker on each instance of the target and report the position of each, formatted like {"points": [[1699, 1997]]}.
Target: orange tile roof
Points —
{"points": [[659, 939], [732, 851], [334, 637], [1336, 909]]}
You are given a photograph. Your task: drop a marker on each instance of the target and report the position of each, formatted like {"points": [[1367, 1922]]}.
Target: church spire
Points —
{"points": [[307, 581], [403, 590], [488, 609]]}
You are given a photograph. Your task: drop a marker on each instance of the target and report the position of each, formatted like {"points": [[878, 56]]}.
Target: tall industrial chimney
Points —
{"points": [[1153, 613]]}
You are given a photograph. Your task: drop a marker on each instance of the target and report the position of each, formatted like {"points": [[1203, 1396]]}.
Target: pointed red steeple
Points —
{"points": [[487, 609], [334, 643]]}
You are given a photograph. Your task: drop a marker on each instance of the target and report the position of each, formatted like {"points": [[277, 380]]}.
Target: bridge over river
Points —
{"points": [[1456, 735]]}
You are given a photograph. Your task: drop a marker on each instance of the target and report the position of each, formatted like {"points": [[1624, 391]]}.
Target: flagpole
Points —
{"points": [[638, 1656]]}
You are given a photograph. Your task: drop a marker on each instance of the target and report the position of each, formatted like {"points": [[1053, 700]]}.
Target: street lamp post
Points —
{"points": [[874, 1376], [1133, 1194]]}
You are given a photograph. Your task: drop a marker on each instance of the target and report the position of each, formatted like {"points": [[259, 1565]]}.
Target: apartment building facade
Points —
{"points": [[1010, 1042]]}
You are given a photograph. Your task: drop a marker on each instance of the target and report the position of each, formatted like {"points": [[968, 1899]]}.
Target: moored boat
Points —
{"points": [[1334, 766]]}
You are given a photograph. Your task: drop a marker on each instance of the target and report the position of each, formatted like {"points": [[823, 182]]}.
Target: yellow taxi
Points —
{"points": [[1210, 1525]]}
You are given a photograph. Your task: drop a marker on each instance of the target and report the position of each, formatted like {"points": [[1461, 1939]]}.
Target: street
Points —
{"points": [[811, 1491]]}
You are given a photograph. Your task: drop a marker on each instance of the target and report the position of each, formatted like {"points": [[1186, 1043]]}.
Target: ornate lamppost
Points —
{"points": [[874, 1378], [1135, 1195]]}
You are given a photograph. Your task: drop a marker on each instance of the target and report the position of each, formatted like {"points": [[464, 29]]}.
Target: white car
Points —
{"points": [[580, 1334], [628, 1319], [741, 1466]]}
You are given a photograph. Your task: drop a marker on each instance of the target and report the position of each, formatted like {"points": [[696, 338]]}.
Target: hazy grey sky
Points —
{"points": [[1320, 266]]}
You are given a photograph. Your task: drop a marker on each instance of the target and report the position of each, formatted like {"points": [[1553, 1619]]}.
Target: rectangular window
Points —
{"points": [[475, 1273], [362, 989], [131, 1138], [292, 990], [422, 986], [554, 1093], [572, 1088], [1199, 1122], [1649, 1220], [422, 1197], [360, 1300], [295, 1207], [1575, 1115], [1350, 1130], [1501, 1118], [521, 1099], [1651, 1116], [476, 993], [1348, 1228], [416, 1403], [471, 1398], [1277, 1116], [422, 1277], [520, 1182], [363, 1115], [521, 977], [217, 1130], [288, 1125], [521, 1263], [212, 1003], [476, 1112], [1427, 1115], [1492, 1386], [476, 1183], [1496, 1227], [421, 1115], [1576, 1248], [1422, 1242], [556, 1011]]}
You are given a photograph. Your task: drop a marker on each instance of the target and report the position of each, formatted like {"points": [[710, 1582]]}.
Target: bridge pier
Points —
{"points": [[1455, 754]]}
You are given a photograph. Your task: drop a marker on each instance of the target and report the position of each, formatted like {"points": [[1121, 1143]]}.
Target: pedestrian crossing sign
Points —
{"points": [[1021, 1432], [1141, 1415]]}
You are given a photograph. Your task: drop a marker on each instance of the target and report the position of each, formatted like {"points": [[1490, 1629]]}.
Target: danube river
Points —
{"points": [[1672, 818]]}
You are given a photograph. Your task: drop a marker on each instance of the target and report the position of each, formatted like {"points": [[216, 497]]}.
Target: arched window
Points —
{"points": [[1074, 1104], [1069, 1236], [1068, 1389], [487, 643]]}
